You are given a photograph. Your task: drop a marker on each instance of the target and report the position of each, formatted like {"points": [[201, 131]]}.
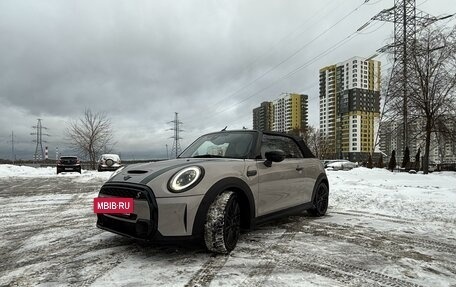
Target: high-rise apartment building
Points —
{"points": [[291, 113], [350, 108], [263, 117], [288, 113]]}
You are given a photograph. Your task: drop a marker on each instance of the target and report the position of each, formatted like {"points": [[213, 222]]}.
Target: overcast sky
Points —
{"points": [[141, 61]]}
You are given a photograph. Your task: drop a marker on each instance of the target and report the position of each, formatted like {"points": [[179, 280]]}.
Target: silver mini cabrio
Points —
{"points": [[223, 182]]}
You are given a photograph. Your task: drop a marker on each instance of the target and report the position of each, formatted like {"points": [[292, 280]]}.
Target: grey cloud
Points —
{"points": [[141, 61]]}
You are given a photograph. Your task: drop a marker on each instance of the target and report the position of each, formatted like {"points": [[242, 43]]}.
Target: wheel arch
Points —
{"points": [[245, 199]]}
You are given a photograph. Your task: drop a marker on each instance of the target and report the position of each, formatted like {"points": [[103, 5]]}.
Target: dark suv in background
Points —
{"points": [[68, 164]]}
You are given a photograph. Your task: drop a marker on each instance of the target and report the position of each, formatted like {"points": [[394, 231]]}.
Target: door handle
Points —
{"points": [[251, 173], [299, 168]]}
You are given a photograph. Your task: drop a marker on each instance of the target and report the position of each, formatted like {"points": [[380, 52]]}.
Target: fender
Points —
{"points": [[232, 184]]}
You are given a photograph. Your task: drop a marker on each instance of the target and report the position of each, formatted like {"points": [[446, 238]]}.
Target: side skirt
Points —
{"points": [[282, 213]]}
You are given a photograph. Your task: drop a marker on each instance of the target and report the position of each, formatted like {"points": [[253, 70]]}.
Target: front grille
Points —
{"points": [[141, 229], [124, 191], [132, 224]]}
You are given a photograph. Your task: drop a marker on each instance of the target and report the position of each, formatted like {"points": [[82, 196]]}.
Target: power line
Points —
{"points": [[272, 49], [299, 27], [291, 73], [287, 59]]}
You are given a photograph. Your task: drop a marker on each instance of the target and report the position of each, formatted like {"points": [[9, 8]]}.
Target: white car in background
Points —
{"points": [[340, 164], [109, 162]]}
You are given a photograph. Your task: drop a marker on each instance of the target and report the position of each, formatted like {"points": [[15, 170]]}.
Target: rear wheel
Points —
{"points": [[222, 228], [320, 202]]}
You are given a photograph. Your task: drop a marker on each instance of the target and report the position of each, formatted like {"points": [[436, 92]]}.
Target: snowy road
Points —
{"points": [[382, 229]]}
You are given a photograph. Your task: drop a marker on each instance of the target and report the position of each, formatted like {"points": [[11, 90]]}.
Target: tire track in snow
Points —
{"points": [[332, 267], [348, 274], [269, 259], [207, 272], [367, 237], [35, 241], [379, 216]]}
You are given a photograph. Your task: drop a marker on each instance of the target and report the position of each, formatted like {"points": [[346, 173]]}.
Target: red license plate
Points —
{"points": [[113, 205]]}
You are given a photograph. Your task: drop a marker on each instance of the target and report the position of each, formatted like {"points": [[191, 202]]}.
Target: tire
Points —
{"points": [[223, 220], [109, 162], [320, 202]]}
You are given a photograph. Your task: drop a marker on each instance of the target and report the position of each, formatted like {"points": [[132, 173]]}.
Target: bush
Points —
{"points": [[380, 163], [392, 162], [406, 158]]}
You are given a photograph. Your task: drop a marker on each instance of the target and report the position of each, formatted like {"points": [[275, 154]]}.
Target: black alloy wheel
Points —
{"points": [[222, 227], [232, 223], [320, 202]]}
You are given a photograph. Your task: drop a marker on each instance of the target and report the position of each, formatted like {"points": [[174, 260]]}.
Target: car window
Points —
{"points": [[286, 144], [68, 157], [226, 144]]}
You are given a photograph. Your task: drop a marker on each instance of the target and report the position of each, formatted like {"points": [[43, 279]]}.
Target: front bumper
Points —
{"points": [[68, 168], [108, 168], [153, 218]]}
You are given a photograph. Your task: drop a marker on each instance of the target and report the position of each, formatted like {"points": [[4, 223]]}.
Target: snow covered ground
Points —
{"points": [[382, 229]]}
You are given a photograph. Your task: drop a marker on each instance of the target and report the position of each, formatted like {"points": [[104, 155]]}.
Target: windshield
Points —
{"points": [[224, 144]]}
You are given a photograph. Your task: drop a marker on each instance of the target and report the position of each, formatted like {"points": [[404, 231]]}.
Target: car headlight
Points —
{"points": [[116, 172], [185, 179]]}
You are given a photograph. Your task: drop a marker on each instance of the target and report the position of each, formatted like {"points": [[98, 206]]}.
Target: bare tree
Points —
{"points": [[433, 85], [91, 135], [388, 110], [317, 142]]}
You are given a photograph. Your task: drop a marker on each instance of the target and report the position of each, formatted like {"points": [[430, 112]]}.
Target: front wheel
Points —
{"points": [[320, 202], [222, 228]]}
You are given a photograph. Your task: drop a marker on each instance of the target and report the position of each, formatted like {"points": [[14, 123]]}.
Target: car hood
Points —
{"points": [[145, 172]]}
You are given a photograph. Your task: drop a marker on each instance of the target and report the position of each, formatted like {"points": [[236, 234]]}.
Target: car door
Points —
{"points": [[280, 185]]}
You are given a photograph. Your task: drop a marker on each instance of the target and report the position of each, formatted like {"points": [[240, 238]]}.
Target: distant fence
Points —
{"points": [[84, 164]]}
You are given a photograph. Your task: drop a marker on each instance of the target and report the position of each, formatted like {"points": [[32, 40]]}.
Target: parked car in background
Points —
{"points": [[68, 164], [340, 164], [223, 182], [109, 162]]}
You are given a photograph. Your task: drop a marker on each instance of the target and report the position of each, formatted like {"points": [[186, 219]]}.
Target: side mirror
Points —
{"points": [[274, 156]]}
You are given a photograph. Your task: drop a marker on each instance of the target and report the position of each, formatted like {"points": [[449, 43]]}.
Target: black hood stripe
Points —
{"points": [[162, 171]]}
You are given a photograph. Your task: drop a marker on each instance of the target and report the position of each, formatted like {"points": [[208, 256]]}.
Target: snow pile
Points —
{"points": [[8, 170], [425, 197]]}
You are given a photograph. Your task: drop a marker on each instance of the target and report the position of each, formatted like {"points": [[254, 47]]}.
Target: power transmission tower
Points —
{"points": [[176, 143], [39, 151], [406, 19], [13, 155]]}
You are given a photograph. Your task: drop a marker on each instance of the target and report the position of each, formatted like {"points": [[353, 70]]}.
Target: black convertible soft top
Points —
{"points": [[306, 152]]}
